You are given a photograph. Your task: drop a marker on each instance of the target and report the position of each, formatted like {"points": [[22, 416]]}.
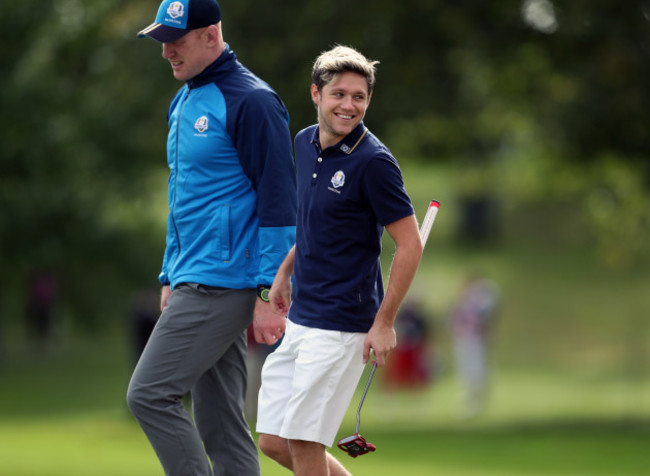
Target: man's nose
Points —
{"points": [[166, 50], [347, 102]]}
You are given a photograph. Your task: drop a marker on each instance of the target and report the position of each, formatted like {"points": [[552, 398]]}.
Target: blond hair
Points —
{"points": [[342, 59]]}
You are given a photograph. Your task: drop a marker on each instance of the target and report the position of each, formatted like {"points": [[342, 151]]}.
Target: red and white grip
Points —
{"points": [[429, 218]]}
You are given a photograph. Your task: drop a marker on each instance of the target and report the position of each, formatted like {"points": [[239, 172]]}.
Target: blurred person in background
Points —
{"points": [[472, 320], [145, 310], [232, 212], [411, 364], [42, 293], [350, 187]]}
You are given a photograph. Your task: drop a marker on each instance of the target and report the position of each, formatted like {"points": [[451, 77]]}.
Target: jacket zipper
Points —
{"points": [[178, 129]]}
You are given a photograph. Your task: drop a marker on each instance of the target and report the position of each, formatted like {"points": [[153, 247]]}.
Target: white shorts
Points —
{"points": [[308, 383]]}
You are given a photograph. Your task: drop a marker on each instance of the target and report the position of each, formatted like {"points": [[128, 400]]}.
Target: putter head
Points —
{"points": [[355, 445]]}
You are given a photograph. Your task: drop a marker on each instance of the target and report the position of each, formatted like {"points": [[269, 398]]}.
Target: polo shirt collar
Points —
{"points": [[349, 142]]}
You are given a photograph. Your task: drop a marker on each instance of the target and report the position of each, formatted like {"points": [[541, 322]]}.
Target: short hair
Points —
{"points": [[342, 59]]}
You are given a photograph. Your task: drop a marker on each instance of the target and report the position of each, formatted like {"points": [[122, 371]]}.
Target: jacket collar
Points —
{"points": [[223, 63]]}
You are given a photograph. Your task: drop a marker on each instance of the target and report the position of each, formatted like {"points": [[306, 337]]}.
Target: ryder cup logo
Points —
{"points": [[175, 10], [338, 180], [201, 124]]}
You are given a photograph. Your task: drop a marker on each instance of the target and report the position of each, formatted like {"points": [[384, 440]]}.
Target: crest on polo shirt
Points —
{"points": [[338, 179], [201, 124], [175, 10]]}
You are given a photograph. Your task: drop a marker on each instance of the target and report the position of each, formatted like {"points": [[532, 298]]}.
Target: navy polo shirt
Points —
{"points": [[347, 193]]}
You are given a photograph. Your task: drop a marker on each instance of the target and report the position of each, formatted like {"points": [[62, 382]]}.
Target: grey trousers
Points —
{"points": [[198, 345]]}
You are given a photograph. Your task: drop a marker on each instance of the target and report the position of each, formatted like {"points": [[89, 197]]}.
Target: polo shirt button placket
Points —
{"points": [[315, 174]]}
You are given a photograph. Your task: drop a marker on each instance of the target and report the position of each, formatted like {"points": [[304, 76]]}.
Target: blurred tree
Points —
{"points": [[512, 93], [450, 71], [509, 92], [78, 127]]}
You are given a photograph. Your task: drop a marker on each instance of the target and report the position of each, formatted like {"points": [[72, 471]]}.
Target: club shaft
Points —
{"points": [[363, 397]]}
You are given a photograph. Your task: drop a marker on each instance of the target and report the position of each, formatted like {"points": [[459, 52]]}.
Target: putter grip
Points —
{"points": [[429, 218]]}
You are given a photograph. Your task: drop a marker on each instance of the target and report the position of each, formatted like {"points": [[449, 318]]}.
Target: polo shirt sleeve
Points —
{"points": [[263, 143], [384, 188]]}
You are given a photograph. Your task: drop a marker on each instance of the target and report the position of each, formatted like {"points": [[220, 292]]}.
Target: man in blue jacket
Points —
{"points": [[232, 212]]}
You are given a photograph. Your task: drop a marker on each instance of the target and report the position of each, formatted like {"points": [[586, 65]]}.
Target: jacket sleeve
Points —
{"points": [[263, 142]]}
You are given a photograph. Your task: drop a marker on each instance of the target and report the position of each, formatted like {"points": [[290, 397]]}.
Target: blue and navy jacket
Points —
{"points": [[232, 183]]}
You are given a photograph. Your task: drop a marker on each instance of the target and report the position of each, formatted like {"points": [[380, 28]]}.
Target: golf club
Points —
{"points": [[356, 445]]}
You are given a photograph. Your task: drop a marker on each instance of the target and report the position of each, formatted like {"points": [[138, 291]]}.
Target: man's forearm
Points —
{"points": [[286, 267], [408, 251], [405, 265]]}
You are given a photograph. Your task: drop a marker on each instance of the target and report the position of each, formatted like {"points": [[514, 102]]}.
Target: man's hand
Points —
{"points": [[280, 296], [268, 327], [270, 319], [165, 292], [382, 339]]}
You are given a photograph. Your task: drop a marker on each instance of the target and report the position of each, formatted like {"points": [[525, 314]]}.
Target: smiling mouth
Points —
{"points": [[344, 116]]}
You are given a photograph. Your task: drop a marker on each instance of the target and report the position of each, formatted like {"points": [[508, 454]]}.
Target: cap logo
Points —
{"points": [[338, 179], [175, 10], [201, 124]]}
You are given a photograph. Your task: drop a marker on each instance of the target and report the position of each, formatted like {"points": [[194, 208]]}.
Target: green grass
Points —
{"points": [[112, 444], [62, 414], [79, 444], [415, 434]]}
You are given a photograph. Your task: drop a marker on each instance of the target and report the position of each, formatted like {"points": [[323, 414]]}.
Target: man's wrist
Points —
{"points": [[263, 292]]}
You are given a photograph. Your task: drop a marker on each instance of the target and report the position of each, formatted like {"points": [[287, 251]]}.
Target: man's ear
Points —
{"points": [[212, 35], [315, 95]]}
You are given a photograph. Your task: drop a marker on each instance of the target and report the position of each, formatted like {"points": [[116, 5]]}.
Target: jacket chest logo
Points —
{"points": [[201, 124]]}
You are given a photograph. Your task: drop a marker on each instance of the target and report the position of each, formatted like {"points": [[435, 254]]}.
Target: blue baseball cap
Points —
{"points": [[176, 18]]}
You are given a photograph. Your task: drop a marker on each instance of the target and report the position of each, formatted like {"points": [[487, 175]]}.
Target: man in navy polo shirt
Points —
{"points": [[350, 188]]}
